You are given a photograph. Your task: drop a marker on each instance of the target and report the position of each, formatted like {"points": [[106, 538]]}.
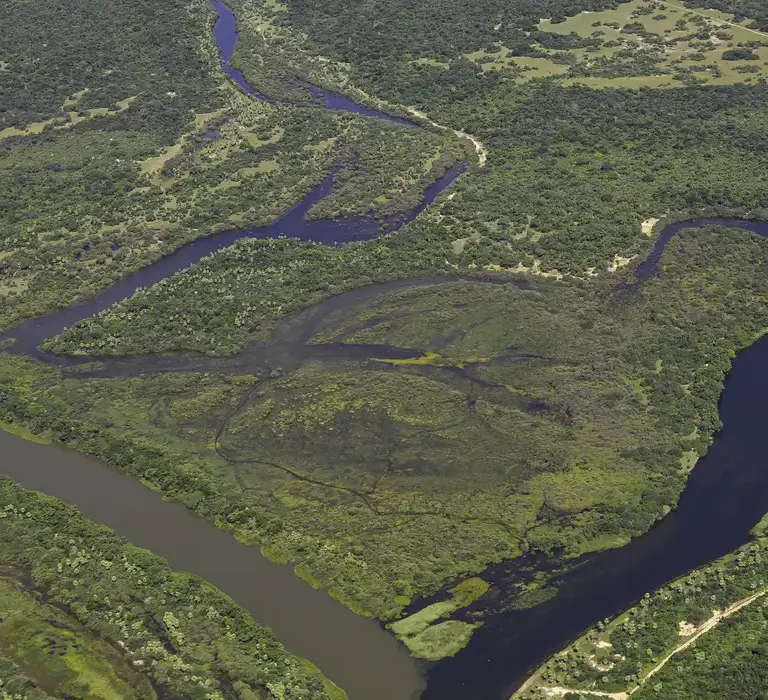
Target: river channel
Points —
{"points": [[726, 495]]}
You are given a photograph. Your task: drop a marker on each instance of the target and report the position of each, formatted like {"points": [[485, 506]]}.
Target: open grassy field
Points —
{"points": [[639, 44]]}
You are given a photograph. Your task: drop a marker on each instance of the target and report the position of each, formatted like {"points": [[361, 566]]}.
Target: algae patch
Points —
{"points": [[426, 640], [435, 359], [441, 640]]}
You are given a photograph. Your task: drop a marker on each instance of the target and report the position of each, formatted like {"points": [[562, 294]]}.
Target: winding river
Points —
{"points": [[726, 495]]}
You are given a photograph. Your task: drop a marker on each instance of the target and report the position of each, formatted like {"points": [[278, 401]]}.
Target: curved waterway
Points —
{"points": [[226, 36], [356, 653], [726, 495]]}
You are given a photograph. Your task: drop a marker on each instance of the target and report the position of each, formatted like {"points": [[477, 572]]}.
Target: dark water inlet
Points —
{"points": [[355, 652], [31, 333], [225, 33]]}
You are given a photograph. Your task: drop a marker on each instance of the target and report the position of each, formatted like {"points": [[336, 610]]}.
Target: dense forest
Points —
{"points": [[103, 53]]}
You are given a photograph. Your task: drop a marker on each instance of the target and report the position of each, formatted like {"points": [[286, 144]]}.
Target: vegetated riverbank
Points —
{"points": [[196, 500], [696, 637], [488, 639], [355, 651], [84, 612], [724, 496]]}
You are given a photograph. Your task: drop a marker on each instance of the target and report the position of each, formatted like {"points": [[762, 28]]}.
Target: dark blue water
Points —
{"points": [[30, 334], [725, 496], [225, 33], [650, 266], [332, 100]]}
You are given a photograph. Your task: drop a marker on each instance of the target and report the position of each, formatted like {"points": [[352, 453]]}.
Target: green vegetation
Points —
{"points": [[83, 614], [587, 410], [441, 640], [436, 641], [440, 52], [103, 172], [359, 465], [740, 55], [653, 44], [752, 13], [701, 636], [571, 171], [59, 654], [96, 54]]}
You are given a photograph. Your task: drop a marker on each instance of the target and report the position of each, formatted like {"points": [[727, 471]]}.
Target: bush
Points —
{"points": [[740, 55]]}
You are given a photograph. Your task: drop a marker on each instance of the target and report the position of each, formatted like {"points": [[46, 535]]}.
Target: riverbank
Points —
{"points": [[71, 625], [386, 500], [351, 650], [196, 493]]}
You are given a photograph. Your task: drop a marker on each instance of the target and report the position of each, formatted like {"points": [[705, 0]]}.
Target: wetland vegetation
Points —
{"points": [[346, 437], [586, 437]]}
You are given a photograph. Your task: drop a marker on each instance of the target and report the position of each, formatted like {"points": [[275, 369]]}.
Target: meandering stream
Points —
{"points": [[726, 495]]}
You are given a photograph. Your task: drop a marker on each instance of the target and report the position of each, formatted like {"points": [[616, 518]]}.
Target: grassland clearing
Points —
{"points": [[67, 119], [639, 44]]}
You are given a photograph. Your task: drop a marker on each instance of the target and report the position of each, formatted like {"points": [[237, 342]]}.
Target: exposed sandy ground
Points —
{"points": [[480, 149], [647, 226]]}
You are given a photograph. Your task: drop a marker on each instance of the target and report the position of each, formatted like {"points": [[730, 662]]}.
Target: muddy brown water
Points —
{"points": [[355, 652]]}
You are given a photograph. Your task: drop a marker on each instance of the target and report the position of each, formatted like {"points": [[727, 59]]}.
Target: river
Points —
{"points": [[726, 495], [355, 652]]}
